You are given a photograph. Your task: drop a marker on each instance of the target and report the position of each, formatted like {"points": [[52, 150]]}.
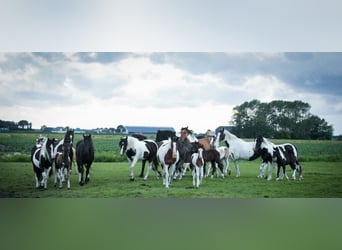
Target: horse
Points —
{"points": [[197, 163], [141, 137], [164, 135], [239, 149], [283, 154], [42, 159], [224, 155], [185, 151], [168, 156], [63, 159], [139, 150], [84, 157], [188, 136], [213, 156]]}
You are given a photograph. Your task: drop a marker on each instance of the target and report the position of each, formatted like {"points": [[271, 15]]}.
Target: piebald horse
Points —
{"points": [[42, 160], [238, 148], [283, 154], [168, 156], [139, 150], [63, 154]]}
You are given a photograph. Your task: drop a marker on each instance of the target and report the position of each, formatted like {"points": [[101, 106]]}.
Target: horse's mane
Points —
{"points": [[43, 150], [232, 136]]}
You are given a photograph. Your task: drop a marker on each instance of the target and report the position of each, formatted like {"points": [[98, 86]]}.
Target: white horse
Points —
{"points": [[139, 150], [198, 165], [168, 156], [238, 148]]}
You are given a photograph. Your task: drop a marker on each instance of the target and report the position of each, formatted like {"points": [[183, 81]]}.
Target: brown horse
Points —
{"points": [[187, 136]]}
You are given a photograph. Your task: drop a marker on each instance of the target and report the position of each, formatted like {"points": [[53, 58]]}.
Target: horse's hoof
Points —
{"points": [[131, 179], [81, 183]]}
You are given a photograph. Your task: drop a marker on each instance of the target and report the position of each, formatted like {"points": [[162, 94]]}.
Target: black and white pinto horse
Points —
{"points": [[63, 159], [168, 156], [283, 154], [84, 158], [42, 160], [139, 150], [238, 148]]}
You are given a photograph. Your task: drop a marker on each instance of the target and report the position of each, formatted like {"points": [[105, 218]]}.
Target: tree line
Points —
{"points": [[279, 119], [11, 125]]}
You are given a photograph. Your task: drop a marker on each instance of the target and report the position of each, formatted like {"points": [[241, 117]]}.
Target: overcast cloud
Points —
{"points": [[198, 90]]}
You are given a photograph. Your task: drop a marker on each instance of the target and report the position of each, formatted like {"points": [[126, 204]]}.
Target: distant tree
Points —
{"points": [[24, 124], [279, 119]]}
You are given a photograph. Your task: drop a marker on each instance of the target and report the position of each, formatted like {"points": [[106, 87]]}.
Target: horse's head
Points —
{"points": [[123, 145], [185, 132], [87, 139], [258, 141], [221, 136]]}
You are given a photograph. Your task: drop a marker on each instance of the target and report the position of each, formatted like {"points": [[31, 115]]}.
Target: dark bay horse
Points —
{"points": [[84, 157]]}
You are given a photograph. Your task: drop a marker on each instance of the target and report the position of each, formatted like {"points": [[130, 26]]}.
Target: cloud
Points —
{"points": [[157, 88]]}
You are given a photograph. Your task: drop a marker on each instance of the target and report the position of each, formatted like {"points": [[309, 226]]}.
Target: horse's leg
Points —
{"points": [[37, 180], [87, 175], [68, 172], [220, 165], [278, 170], [80, 174], [172, 168], [155, 168], [194, 176], [225, 163], [47, 176], [131, 168], [236, 162], [166, 175], [299, 167], [261, 171], [148, 170], [56, 176], [201, 174], [269, 176], [142, 168], [209, 169], [197, 176]]}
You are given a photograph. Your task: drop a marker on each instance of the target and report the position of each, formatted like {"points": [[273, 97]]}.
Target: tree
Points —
{"points": [[279, 119]]}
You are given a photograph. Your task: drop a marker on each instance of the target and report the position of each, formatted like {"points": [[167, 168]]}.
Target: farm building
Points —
{"points": [[141, 129]]}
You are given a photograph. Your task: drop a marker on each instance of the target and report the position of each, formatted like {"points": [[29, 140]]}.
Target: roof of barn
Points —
{"points": [[146, 129]]}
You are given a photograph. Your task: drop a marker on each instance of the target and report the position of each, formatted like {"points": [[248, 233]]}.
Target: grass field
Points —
{"points": [[321, 179], [321, 161]]}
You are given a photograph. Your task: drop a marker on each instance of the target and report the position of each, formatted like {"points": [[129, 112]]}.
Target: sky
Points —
{"points": [[103, 63], [195, 89]]}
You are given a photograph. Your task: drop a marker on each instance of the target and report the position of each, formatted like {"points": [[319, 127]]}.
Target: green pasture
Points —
{"points": [[16, 147], [321, 162], [321, 179]]}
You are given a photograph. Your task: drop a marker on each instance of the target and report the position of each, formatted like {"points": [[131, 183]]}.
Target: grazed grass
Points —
{"points": [[321, 179]]}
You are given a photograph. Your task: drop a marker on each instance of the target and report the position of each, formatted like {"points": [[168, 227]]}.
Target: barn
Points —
{"points": [[146, 130]]}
